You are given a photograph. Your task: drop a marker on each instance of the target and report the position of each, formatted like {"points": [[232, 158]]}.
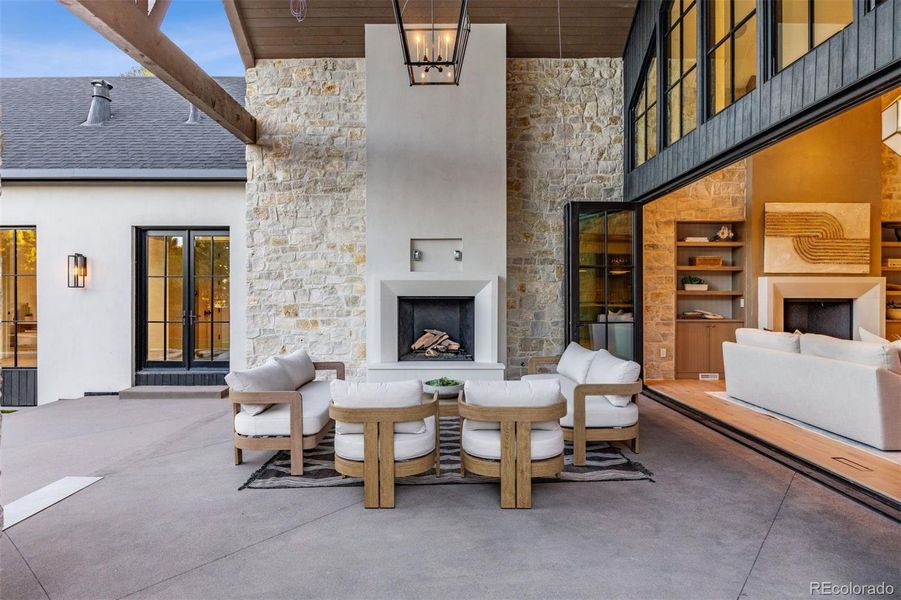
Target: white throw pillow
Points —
{"points": [[268, 377], [882, 356], [532, 392], [867, 336], [774, 340], [395, 394], [299, 366], [606, 368], [575, 362]]}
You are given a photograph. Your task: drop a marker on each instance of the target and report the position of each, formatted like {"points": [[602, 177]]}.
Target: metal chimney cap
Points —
{"points": [[102, 88]]}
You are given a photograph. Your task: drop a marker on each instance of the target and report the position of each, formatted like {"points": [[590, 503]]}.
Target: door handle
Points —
{"points": [[193, 317]]}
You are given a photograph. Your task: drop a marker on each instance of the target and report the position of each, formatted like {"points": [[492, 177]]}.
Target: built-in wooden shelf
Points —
{"points": [[711, 321], [893, 320], [891, 244], [702, 268], [710, 293], [891, 269], [709, 244]]}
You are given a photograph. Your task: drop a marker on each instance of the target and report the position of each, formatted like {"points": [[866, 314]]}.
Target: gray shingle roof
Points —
{"points": [[42, 117]]}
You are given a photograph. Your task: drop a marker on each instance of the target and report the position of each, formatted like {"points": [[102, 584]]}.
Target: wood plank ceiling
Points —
{"points": [[334, 28]]}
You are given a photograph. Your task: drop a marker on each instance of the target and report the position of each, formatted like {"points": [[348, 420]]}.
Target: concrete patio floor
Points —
{"points": [[168, 521]]}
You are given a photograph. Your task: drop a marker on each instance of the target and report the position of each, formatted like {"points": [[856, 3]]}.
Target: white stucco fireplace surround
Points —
{"points": [[867, 295], [382, 328]]}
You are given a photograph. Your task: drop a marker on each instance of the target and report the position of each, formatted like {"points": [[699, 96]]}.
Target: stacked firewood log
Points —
{"points": [[433, 343]]}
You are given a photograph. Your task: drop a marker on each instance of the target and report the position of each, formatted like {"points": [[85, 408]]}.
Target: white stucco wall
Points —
{"points": [[437, 162], [86, 336]]}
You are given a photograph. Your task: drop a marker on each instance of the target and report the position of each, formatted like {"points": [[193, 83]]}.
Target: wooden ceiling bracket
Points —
{"points": [[138, 34]]}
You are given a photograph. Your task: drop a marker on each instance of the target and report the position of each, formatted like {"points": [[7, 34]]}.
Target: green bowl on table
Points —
{"points": [[446, 387]]}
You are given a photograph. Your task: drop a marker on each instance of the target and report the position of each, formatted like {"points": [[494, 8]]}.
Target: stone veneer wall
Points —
{"points": [[592, 104], [891, 184], [306, 210], [306, 192], [720, 195]]}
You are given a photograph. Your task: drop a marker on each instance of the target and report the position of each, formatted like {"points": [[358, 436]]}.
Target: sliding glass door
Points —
{"points": [[183, 299]]}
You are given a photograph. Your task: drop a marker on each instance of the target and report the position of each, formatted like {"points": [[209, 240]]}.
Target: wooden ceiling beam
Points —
{"points": [[135, 33], [239, 30]]}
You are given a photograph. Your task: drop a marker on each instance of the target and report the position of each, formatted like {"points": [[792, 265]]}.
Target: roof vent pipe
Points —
{"points": [[194, 116], [100, 111]]}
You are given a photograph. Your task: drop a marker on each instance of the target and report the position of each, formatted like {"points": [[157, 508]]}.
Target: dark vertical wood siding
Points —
{"points": [[20, 387], [162, 377], [858, 62]]}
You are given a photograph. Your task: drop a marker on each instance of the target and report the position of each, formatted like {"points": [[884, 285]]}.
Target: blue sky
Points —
{"points": [[41, 38]]}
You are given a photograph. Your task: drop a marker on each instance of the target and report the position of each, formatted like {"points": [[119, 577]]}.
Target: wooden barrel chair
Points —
{"points": [[527, 442], [380, 453]]}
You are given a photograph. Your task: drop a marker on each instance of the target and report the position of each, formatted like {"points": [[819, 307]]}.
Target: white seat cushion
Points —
{"points": [[575, 362], [537, 392], [774, 340], [299, 367], [268, 377], [406, 445], [881, 356], [395, 394], [606, 368], [277, 420], [486, 443], [598, 410]]}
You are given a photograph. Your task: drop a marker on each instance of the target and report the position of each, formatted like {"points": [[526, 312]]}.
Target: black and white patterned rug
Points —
{"points": [[604, 463]]}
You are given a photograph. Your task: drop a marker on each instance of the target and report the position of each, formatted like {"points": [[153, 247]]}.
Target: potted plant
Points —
{"points": [[446, 387], [690, 283]]}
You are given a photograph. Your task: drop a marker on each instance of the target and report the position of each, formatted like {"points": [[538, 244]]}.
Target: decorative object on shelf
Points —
{"points": [[893, 311], [697, 313], [893, 262], [705, 261], [690, 283], [446, 387], [817, 238], [891, 125], [77, 270], [895, 287], [299, 9], [434, 54], [723, 234], [696, 239]]}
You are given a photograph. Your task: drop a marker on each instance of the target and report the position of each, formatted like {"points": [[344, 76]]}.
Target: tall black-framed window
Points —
{"points": [[680, 44], [183, 299], [731, 51], [644, 114], [872, 4], [801, 25], [18, 280]]}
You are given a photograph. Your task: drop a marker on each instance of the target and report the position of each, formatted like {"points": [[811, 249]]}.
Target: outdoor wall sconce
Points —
{"points": [[891, 126], [433, 54], [78, 270]]}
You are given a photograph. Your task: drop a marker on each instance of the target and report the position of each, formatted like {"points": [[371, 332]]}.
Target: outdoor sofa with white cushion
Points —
{"points": [[511, 430], [281, 406], [383, 431], [600, 391]]}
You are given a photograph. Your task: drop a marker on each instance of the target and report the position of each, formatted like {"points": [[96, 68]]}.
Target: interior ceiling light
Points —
{"points": [[891, 125], [433, 53]]}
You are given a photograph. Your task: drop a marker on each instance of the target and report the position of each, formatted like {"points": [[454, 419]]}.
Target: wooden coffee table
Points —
{"points": [[447, 407]]}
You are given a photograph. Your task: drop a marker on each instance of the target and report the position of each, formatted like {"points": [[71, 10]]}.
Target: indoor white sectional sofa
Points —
{"points": [[846, 387]]}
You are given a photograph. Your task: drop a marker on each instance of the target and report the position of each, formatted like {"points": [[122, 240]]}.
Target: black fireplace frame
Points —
{"points": [[799, 314]]}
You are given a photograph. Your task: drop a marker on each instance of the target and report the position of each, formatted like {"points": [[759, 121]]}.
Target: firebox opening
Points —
{"points": [[827, 317], [453, 316]]}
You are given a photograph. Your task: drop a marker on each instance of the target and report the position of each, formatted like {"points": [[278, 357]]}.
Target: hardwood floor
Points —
{"points": [[867, 477]]}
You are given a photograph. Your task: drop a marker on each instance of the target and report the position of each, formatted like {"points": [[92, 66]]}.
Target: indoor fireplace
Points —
{"points": [[828, 316]]}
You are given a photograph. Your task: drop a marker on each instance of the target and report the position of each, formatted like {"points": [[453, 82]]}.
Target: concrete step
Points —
{"points": [[173, 392]]}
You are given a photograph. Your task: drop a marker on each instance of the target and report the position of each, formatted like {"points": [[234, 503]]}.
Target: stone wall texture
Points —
{"points": [[306, 192], [720, 195], [306, 210], [588, 93]]}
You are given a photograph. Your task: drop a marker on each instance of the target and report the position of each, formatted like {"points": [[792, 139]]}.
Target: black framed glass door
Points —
{"points": [[603, 277], [183, 299]]}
